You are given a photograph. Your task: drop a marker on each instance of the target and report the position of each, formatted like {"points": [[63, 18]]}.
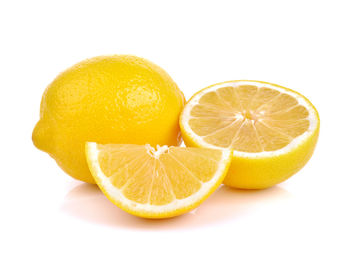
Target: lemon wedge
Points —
{"points": [[156, 182]]}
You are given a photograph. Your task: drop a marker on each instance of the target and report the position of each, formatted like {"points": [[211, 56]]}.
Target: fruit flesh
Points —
{"points": [[249, 119], [157, 179]]}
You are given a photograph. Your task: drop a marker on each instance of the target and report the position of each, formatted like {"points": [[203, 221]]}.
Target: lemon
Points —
{"points": [[107, 99], [273, 130], [156, 183]]}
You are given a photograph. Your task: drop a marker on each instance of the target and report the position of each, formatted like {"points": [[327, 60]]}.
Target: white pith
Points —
{"points": [[312, 117], [115, 194], [156, 152]]}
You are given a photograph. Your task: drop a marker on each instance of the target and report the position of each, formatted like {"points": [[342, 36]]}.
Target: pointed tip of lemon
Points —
{"points": [[41, 136]]}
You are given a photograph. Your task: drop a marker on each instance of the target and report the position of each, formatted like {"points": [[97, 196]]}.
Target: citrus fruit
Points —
{"points": [[156, 182], [273, 130], [107, 99]]}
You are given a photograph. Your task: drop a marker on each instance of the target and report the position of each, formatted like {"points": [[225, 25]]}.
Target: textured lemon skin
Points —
{"points": [[262, 173], [107, 99]]}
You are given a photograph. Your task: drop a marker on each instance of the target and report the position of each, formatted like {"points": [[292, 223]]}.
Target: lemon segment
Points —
{"points": [[272, 130], [156, 183]]}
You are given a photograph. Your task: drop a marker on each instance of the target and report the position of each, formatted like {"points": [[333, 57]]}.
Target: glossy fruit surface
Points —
{"points": [[107, 99]]}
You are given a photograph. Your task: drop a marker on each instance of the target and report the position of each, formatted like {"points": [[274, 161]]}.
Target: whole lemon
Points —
{"points": [[107, 99]]}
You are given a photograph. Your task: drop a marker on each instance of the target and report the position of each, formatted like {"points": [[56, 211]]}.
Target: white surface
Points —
{"points": [[53, 223]]}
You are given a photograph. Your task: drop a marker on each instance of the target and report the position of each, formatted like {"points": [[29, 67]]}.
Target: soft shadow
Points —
{"points": [[88, 203]]}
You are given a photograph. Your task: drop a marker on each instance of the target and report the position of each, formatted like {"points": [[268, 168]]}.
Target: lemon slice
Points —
{"points": [[156, 183], [272, 130]]}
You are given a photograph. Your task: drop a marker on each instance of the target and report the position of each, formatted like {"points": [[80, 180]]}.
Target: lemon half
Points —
{"points": [[273, 130]]}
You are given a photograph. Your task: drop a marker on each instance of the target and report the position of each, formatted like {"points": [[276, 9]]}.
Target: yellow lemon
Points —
{"points": [[156, 183], [273, 130], [107, 99]]}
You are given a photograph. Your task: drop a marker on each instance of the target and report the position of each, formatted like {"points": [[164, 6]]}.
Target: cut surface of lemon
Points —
{"points": [[273, 130], [156, 182]]}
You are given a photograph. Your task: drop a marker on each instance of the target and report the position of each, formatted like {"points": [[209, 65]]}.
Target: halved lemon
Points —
{"points": [[156, 183], [273, 130]]}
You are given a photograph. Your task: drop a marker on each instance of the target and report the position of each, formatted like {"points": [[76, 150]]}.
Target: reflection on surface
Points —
{"points": [[88, 203]]}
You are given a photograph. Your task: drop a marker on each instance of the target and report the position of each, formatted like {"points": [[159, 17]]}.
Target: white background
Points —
{"points": [[50, 222]]}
